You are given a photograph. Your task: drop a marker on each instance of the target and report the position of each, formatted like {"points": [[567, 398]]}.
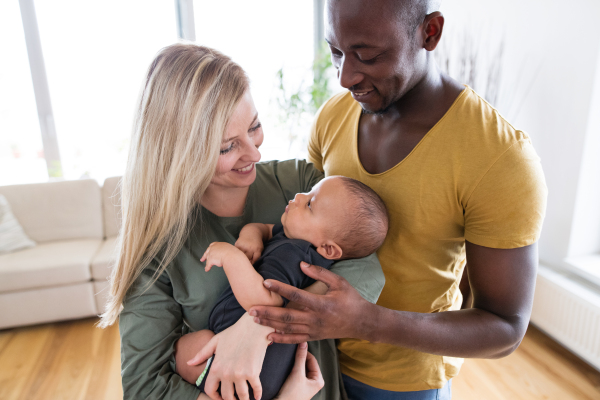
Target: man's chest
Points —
{"points": [[382, 145]]}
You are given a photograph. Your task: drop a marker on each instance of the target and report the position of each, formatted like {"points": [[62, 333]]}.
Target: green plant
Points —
{"points": [[296, 107]]}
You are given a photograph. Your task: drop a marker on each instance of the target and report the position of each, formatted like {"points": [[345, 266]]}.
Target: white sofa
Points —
{"points": [[75, 226]]}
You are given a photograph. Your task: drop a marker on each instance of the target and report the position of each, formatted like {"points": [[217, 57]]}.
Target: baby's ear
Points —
{"points": [[330, 250]]}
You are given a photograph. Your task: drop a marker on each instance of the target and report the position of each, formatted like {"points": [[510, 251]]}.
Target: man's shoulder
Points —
{"points": [[341, 99], [477, 122], [337, 106]]}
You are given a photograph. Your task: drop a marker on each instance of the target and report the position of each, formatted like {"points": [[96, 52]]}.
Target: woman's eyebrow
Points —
{"points": [[229, 139]]}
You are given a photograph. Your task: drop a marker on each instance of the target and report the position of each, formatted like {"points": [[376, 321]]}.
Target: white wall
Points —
{"points": [[551, 81]]}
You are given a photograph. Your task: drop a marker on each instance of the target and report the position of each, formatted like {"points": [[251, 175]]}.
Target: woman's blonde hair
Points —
{"points": [[189, 95]]}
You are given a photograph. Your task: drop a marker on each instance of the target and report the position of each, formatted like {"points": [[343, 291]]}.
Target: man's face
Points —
{"points": [[375, 55]]}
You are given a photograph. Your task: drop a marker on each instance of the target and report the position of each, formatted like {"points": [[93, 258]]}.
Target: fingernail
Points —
{"points": [[257, 320], [304, 264], [252, 313], [267, 284], [303, 345]]}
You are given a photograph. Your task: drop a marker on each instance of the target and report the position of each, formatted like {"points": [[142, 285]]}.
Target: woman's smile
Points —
{"points": [[245, 170]]}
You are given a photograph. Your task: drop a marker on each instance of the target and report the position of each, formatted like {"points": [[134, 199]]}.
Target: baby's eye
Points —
{"points": [[308, 204]]}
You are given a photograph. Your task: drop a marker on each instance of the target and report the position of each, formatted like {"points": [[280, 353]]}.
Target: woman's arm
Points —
{"points": [[246, 283], [149, 325], [241, 350]]}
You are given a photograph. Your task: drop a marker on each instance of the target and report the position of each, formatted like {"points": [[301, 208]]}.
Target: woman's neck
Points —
{"points": [[225, 202]]}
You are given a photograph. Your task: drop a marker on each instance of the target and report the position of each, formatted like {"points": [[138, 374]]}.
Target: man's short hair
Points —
{"points": [[413, 12], [366, 228]]}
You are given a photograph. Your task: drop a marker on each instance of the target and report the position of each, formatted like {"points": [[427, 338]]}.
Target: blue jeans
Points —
{"points": [[359, 391]]}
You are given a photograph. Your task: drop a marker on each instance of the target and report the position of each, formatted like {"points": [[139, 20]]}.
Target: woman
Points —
{"points": [[192, 179]]}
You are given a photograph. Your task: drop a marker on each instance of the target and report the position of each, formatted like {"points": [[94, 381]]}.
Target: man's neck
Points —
{"points": [[422, 98]]}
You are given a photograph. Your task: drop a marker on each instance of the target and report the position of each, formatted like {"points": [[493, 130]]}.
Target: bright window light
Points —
{"points": [[21, 150], [263, 37], [96, 55]]}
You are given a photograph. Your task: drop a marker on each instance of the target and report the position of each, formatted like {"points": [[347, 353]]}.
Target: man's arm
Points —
{"points": [[502, 282], [246, 283]]}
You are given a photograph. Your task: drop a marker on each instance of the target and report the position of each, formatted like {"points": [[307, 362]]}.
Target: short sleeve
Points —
{"points": [[507, 207], [283, 265], [150, 324], [364, 274]]}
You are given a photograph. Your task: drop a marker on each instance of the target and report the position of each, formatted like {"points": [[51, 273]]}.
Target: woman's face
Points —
{"points": [[239, 148]]}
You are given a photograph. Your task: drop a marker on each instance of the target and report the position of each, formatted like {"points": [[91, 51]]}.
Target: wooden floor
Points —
{"points": [[75, 360]]}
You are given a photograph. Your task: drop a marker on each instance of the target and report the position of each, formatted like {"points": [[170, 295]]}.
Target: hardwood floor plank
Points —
{"points": [[535, 371], [20, 359], [106, 366], [75, 360]]}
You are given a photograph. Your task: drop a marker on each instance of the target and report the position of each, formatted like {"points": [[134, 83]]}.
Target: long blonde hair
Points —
{"points": [[188, 97]]}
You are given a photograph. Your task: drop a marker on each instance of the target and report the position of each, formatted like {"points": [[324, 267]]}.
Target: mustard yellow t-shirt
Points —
{"points": [[472, 177]]}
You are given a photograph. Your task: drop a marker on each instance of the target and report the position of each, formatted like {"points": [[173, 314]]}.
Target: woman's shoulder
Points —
{"points": [[291, 176]]}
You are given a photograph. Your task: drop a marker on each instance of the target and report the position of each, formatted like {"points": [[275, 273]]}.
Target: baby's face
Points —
{"points": [[310, 216]]}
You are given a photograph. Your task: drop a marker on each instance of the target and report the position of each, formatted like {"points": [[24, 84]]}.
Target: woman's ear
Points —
{"points": [[330, 250]]}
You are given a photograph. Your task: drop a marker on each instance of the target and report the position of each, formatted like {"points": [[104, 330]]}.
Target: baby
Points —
{"points": [[340, 218]]}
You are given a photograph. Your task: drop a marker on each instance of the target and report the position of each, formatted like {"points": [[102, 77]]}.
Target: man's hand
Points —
{"points": [[336, 314], [217, 254]]}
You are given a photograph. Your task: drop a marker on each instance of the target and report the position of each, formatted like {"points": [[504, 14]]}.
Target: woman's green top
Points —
{"points": [[180, 301]]}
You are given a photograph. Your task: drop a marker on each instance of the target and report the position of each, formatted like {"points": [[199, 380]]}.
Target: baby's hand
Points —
{"points": [[251, 246], [216, 254]]}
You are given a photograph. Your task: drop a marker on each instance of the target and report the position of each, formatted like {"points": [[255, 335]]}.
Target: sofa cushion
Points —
{"points": [[56, 303], [12, 236], [48, 264], [111, 203], [104, 259], [57, 210]]}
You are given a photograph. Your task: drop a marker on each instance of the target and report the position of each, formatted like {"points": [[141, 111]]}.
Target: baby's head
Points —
{"points": [[342, 217]]}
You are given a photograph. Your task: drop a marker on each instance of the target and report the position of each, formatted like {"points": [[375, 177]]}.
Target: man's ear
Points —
{"points": [[431, 30], [330, 250]]}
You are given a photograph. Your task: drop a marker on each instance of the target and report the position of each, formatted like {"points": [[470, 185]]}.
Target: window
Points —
{"points": [[21, 151], [263, 37], [96, 58]]}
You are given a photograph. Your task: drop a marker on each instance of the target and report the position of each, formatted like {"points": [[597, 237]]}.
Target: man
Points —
{"points": [[461, 185]]}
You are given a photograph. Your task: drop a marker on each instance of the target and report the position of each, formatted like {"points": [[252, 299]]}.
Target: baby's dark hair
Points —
{"points": [[365, 230]]}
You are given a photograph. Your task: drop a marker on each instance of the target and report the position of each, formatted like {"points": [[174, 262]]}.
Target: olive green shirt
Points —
{"points": [[180, 301]]}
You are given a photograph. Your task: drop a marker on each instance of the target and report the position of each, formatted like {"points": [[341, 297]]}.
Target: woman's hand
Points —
{"points": [[340, 313], [305, 380], [239, 354]]}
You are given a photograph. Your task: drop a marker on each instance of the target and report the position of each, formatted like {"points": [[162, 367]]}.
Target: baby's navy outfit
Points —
{"points": [[279, 261]]}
